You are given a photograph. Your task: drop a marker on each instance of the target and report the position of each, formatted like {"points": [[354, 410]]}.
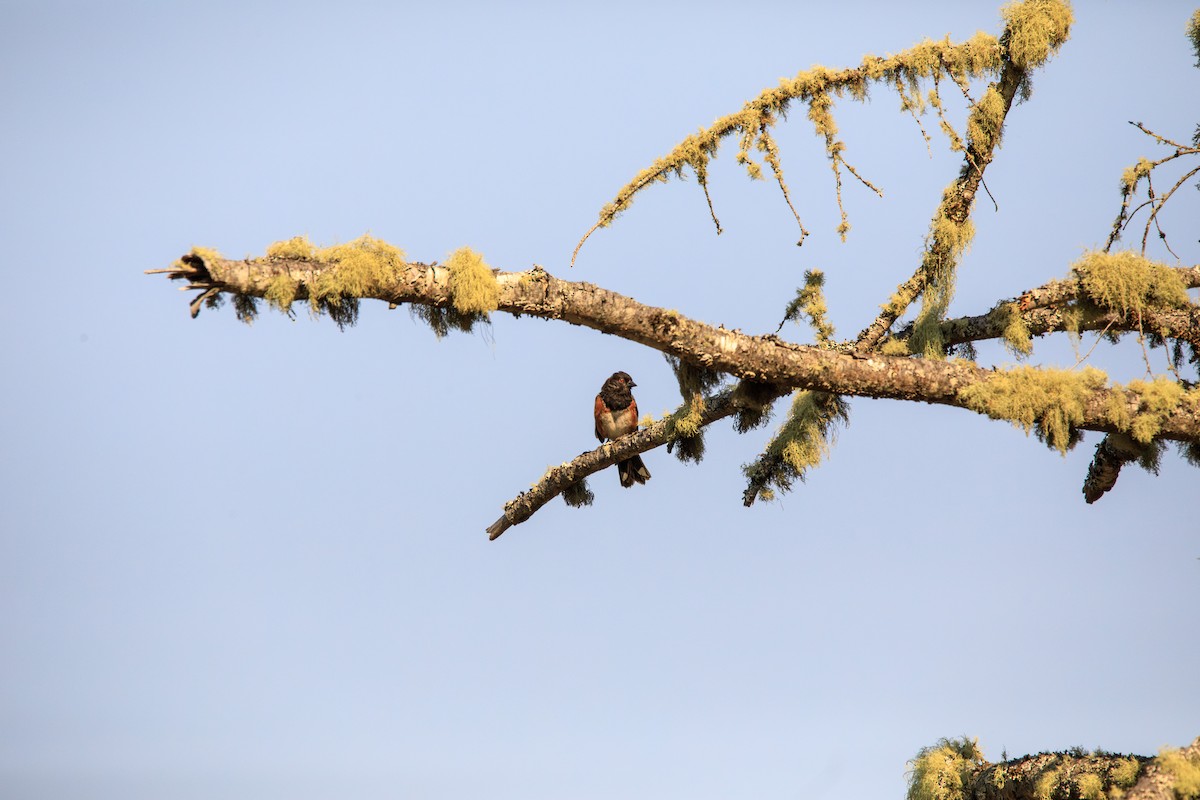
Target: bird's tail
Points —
{"points": [[632, 470]]}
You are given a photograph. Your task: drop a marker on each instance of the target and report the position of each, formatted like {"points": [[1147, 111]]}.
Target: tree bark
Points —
{"points": [[765, 358]]}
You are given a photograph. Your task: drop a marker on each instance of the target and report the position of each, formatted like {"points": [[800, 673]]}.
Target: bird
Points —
{"points": [[617, 415]]}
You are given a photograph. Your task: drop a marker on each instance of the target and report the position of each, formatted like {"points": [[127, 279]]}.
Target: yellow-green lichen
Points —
{"points": [[1183, 770], [895, 347], [298, 248], [1132, 175], [282, 291], [345, 273], [1129, 283], [688, 434], [940, 772], [1156, 400], [1035, 30], [360, 267], [986, 121], [1049, 402], [810, 301], [686, 421], [1046, 783], [473, 287], [1016, 333], [1090, 786], [1125, 773], [816, 88], [947, 241], [207, 255], [802, 443]]}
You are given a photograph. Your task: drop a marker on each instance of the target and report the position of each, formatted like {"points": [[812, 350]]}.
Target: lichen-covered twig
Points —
{"points": [[1049, 308], [559, 479], [464, 290], [1142, 171], [1033, 32], [817, 88]]}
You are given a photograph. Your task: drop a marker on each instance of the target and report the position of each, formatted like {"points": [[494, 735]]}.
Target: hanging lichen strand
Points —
{"points": [[817, 88], [802, 443], [1034, 30]]}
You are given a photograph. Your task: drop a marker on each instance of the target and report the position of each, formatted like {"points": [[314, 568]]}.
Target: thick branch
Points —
{"points": [[1059, 292], [766, 359]]}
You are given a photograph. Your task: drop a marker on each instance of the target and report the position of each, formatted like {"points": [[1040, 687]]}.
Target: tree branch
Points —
{"points": [[957, 202], [1041, 309], [557, 479], [765, 358]]}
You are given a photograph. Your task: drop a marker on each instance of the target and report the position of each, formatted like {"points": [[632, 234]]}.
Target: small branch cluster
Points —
{"points": [[1143, 172]]}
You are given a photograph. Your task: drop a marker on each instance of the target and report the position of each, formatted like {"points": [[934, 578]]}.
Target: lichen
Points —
{"points": [[1183, 770], [815, 88], [1090, 786], [1125, 773], [1131, 175], [1046, 783], [754, 400], [245, 307], [1036, 29], [1156, 398], [1049, 402], [206, 255], [297, 248], [360, 267], [356, 269], [692, 378], [473, 287], [687, 442], [282, 291], [986, 121], [443, 320], [1016, 333], [1129, 283], [947, 241], [810, 301], [801, 443], [940, 772], [578, 494], [686, 421]]}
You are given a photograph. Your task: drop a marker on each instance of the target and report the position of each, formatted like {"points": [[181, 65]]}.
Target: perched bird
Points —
{"points": [[617, 415]]}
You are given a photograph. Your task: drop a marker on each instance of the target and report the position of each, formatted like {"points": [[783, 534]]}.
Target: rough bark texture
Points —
{"points": [[1042, 310], [761, 360], [766, 358]]}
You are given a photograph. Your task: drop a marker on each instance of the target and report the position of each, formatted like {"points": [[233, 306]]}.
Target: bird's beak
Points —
{"points": [[632, 384]]}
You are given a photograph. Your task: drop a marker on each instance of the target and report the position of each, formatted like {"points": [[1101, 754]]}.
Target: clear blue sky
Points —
{"points": [[250, 562]]}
